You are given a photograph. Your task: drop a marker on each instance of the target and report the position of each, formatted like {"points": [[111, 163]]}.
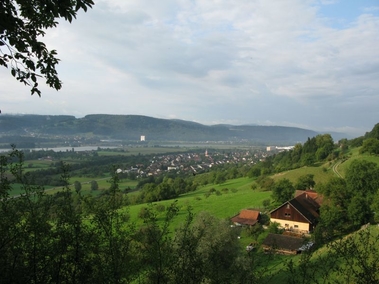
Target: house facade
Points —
{"points": [[300, 213]]}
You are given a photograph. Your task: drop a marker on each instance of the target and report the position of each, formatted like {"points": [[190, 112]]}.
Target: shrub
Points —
{"points": [[225, 190], [143, 213], [160, 207]]}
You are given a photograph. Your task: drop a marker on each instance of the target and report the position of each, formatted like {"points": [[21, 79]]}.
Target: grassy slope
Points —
{"points": [[320, 174], [354, 155], [222, 206]]}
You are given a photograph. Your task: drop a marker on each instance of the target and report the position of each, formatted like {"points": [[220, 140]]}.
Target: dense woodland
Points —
{"points": [[72, 237]]}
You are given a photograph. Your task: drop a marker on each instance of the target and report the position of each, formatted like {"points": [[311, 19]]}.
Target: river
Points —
{"points": [[65, 149]]}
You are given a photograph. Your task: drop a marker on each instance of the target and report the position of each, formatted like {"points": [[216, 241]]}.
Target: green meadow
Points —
{"points": [[225, 204], [322, 173], [354, 155]]}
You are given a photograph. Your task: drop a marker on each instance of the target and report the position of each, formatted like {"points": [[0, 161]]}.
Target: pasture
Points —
{"points": [[223, 205]]}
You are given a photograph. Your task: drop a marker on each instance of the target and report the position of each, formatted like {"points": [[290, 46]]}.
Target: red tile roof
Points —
{"points": [[246, 217]]}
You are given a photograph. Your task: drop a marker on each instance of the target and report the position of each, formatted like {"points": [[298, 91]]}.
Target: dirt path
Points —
{"points": [[335, 168]]}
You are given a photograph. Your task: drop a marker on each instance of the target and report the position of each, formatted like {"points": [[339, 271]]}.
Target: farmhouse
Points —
{"points": [[300, 213], [246, 217]]}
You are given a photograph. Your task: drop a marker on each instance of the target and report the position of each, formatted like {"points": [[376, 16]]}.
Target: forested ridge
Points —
{"points": [[75, 237], [131, 127]]}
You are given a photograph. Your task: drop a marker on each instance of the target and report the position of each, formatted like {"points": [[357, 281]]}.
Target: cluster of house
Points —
{"points": [[297, 217], [195, 162]]}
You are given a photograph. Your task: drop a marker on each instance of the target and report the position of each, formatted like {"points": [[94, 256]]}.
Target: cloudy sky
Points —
{"points": [[306, 63]]}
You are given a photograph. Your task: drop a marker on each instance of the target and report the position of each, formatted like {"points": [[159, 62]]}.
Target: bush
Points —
{"points": [[143, 213], [225, 190], [160, 207], [207, 194]]}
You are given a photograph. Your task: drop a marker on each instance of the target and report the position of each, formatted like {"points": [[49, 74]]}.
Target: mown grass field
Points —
{"points": [[238, 196]]}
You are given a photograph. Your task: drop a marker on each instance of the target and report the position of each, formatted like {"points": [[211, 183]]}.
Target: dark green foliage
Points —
{"points": [[143, 213], [371, 146], [305, 182], [94, 185], [255, 171], [283, 190], [63, 238], [374, 133], [266, 183], [78, 186], [207, 250], [220, 177], [350, 259], [349, 203], [362, 177], [266, 203], [22, 25], [164, 189], [314, 150]]}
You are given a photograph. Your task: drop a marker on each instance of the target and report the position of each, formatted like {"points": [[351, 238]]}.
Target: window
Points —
{"points": [[296, 226], [287, 215]]}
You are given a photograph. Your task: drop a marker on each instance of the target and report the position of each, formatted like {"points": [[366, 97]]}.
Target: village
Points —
{"points": [[195, 162]]}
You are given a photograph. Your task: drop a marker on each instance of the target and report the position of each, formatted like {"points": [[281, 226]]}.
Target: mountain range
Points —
{"points": [[132, 127]]}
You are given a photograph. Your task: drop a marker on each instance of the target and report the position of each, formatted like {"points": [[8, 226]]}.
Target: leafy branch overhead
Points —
{"points": [[22, 25]]}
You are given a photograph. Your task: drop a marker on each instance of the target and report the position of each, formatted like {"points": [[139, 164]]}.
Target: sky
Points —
{"points": [[312, 64]]}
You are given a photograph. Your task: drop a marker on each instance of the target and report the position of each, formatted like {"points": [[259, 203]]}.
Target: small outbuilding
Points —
{"points": [[246, 217], [283, 244]]}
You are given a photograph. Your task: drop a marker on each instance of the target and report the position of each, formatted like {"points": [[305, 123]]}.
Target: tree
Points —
{"points": [[266, 183], [362, 177], [325, 146], [305, 182], [220, 178], [370, 145], [22, 25], [359, 211], [94, 185], [255, 171], [206, 250], [282, 190], [77, 185]]}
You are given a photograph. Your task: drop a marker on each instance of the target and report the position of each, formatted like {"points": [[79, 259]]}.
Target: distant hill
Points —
{"points": [[131, 127]]}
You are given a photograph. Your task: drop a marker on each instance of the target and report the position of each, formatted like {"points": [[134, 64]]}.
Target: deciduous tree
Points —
{"points": [[22, 25], [283, 190]]}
